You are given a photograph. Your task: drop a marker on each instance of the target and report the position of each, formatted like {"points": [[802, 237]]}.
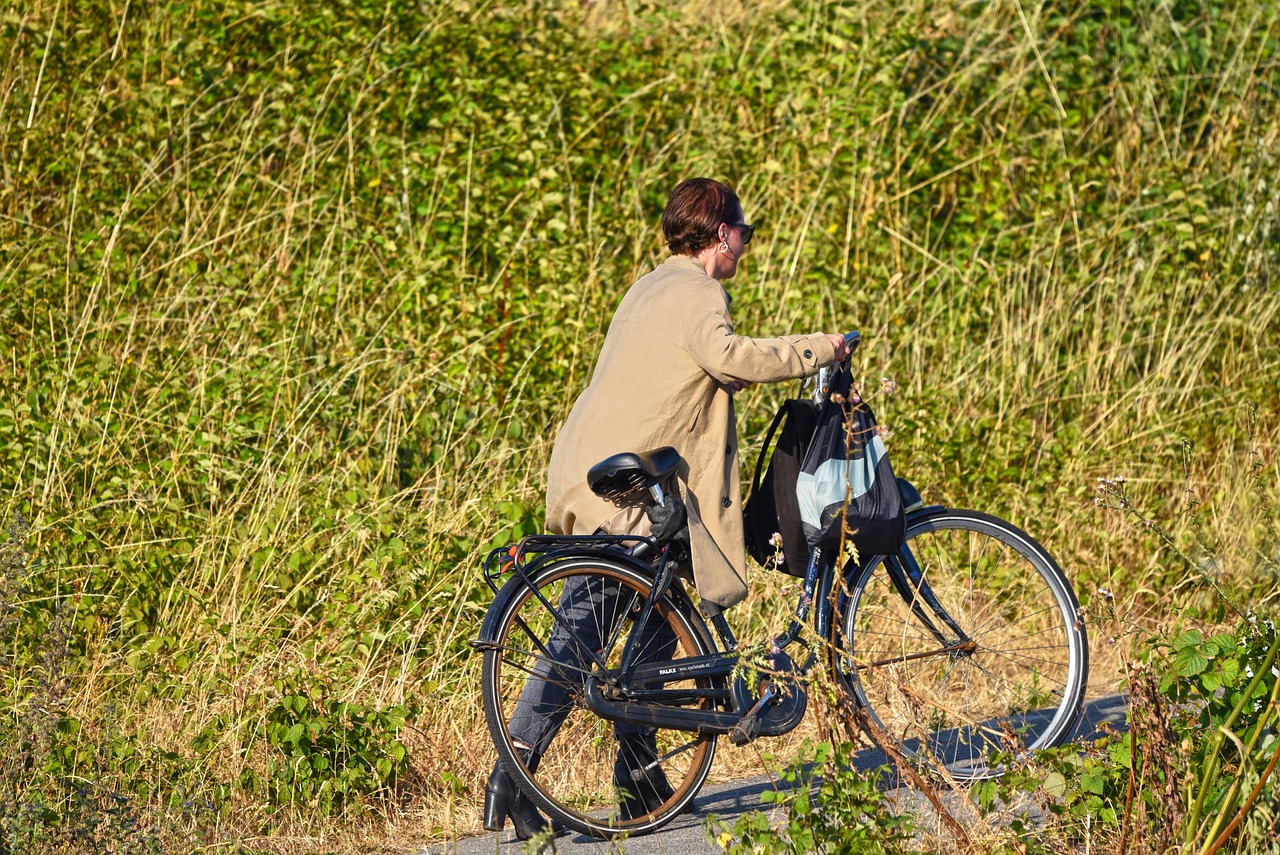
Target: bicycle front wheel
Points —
{"points": [[966, 643], [575, 618]]}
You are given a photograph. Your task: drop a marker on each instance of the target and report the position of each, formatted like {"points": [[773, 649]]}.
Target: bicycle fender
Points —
{"points": [[522, 574], [925, 512]]}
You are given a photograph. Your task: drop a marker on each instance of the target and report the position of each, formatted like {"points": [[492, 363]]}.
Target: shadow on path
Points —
{"points": [[687, 833]]}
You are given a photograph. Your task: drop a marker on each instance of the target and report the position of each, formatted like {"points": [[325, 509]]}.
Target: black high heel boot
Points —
{"points": [[642, 785], [502, 799]]}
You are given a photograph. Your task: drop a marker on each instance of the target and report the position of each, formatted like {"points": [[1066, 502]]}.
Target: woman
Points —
{"points": [[666, 375]]}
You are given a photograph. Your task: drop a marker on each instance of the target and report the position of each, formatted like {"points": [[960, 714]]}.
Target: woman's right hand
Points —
{"points": [[840, 346]]}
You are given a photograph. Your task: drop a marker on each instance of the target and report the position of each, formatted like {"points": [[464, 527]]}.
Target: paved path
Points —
{"points": [[687, 835]]}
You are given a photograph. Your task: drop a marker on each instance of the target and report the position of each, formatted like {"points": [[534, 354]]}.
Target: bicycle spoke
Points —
{"points": [[1021, 658], [534, 696], [997, 620], [1008, 597], [531, 670]]}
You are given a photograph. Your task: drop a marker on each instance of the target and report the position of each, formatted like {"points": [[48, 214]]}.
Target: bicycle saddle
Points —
{"points": [[621, 475]]}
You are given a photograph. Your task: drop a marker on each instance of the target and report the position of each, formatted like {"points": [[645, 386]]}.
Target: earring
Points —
{"points": [[724, 246]]}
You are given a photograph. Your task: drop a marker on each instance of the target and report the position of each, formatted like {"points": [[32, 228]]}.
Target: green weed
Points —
{"points": [[827, 807], [332, 751]]}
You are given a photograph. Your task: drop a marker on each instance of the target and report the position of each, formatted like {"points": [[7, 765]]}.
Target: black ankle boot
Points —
{"points": [[642, 785], [502, 799]]}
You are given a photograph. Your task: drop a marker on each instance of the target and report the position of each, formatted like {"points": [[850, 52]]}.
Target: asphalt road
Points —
{"points": [[687, 834]]}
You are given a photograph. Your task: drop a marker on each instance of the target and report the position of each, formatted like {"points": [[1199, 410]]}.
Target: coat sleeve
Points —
{"points": [[728, 357]]}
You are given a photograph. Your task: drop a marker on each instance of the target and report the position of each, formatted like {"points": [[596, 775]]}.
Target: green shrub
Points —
{"points": [[826, 806], [331, 754]]}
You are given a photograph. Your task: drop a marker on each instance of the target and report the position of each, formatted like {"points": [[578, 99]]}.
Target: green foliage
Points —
{"points": [[1077, 788], [331, 752], [827, 806], [62, 789], [1227, 695], [1194, 768]]}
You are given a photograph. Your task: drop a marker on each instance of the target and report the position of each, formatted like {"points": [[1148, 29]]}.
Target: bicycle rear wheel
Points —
{"points": [[574, 774], [996, 662]]}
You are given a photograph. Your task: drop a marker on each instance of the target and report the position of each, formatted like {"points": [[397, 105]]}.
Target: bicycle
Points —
{"points": [[965, 642]]}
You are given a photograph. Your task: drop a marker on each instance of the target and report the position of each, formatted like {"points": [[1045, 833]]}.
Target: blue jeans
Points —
{"points": [[591, 608]]}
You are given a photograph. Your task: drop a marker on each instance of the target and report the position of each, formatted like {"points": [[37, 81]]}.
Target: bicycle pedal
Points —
{"points": [[744, 731]]}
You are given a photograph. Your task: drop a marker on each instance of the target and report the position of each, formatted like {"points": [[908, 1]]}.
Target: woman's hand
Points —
{"points": [[737, 385], [840, 346]]}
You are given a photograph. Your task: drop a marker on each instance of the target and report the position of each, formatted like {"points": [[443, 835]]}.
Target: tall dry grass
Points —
{"points": [[296, 298]]}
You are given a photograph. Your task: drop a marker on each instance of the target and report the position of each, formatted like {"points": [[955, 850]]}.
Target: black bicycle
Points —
{"points": [[965, 643]]}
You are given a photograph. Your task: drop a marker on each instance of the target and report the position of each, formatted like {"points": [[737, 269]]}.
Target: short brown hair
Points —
{"points": [[695, 209]]}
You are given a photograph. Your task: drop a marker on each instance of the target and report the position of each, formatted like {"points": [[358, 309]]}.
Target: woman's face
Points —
{"points": [[733, 242]]}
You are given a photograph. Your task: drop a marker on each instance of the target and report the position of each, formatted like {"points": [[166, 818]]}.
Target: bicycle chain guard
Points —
{"points": [[778, 715]]}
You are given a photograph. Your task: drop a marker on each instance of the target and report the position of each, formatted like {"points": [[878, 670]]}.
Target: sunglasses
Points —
{"points": [[747, 231]]}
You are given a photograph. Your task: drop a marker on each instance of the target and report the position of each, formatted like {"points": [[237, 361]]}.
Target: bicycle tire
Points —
{"points": [[1019, 686], [574, 779]]}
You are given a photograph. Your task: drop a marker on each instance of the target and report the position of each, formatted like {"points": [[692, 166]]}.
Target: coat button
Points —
{"points": [[726, 501], [808, 354]]}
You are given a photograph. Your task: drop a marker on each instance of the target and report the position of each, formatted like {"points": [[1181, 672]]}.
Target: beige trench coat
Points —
{"points": [[663, 379]]}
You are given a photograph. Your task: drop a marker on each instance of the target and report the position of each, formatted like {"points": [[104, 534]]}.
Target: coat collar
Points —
{"points": [[688, 262]]}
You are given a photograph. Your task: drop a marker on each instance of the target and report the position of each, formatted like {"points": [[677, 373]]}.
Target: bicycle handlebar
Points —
{"points": [[852, 338]]}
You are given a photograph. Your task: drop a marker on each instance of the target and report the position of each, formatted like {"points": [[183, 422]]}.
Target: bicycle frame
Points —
{"points": [[619, 694]]}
